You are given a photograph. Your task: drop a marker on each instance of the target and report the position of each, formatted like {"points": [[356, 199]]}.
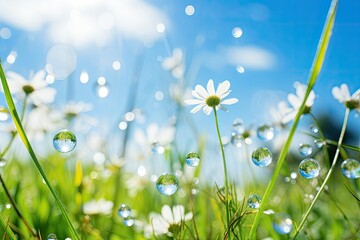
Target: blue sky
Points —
{"points": [[276, 48]]}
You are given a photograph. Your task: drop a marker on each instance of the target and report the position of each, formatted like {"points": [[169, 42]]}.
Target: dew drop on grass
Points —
{"points": [[236, 139], [319, 143], [238, 126], [52, 236], [129, 221], [350, 168], [309, 168], [305, 149], [124, 211], [64, 141], [282, 223], [2, 161], [254, 201], [314, 129], [167, 184], [262, 157], [192, 159], [265, 132]]}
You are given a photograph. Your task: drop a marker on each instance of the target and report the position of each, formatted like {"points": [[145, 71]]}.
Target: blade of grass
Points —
{"points": [[7, 229], [28, 146], [314, 72]]}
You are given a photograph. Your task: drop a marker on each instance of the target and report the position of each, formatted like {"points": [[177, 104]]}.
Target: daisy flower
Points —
{"points": [[207, 99], [175, 63], [169, 221], [343, 95], [36, 89]]}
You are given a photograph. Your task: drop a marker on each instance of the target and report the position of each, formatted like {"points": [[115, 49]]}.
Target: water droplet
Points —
{"points": [[236, 139], [102, 90], [305, 149], [282, 223], [124, 211], [129, 221], [116, 65], [265, 132], [314, 129], [319, 143], [2, 161], [4, 114], [254, 201], [351, 168], [157, 148], [167, 184], [52, 236], [64, 141], [237, 32], [309, 168], [238, 126], [84, 77], [189, 10], [261, 157], [293, 175], [192, 159]]}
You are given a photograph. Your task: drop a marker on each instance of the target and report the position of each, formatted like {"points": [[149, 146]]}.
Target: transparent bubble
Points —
{"points": [[319, 143], [167, 184], [157, 148], [261, 157], [192, 159], [237, 32], [351, 168], [2, 161], [238, 126], [129, 221], [5, 33], [124, 211], [11, 58], [84, 77], [116, 65], [102, 90], [64, 141], [282, 223], [293, 175], [265, 132], [236, 139], [314, 129], [189, 10], [52, 236], [61, 61], [309, 168], [305, 149], [4, 114], [254, 201], [240, 69]]}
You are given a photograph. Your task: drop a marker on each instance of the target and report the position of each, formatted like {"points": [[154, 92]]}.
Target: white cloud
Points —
{"points": [[82, 22], [250, 57]]}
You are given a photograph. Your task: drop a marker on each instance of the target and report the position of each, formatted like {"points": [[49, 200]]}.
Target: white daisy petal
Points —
{"points": [[345, 92], [210, 87], [207, 110], [230, 101], [167, 214], [196, 95], [193, 101], [222, 88], [188, 216], [356, 95], [294, 101], [178, 211], [197, 108], [225, 94], [201, 91], [223, 108]]}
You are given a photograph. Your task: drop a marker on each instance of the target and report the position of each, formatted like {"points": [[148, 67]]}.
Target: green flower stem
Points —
{"points": [[327, 176], [28, 146], [225, 174], [314, 73], [31, 230], [8, 232]]}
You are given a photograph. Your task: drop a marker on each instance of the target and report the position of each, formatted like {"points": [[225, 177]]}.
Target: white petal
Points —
{"points": [[193, 101], [210, 87], [294, 101], [197, 108], [196, 95], [222, 88], [356, 95], [223, 108], [336, 92], [300, 89], [207, 110], [178, 211], [201, 91], [167, 214], [310, 100], [230, 101], [345, 91], [225, 94], [188, 216], [43, 96], [287, 118]]}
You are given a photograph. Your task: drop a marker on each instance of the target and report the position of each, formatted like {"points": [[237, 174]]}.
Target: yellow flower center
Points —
{"points": [[212, 101], [28, 89]]}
